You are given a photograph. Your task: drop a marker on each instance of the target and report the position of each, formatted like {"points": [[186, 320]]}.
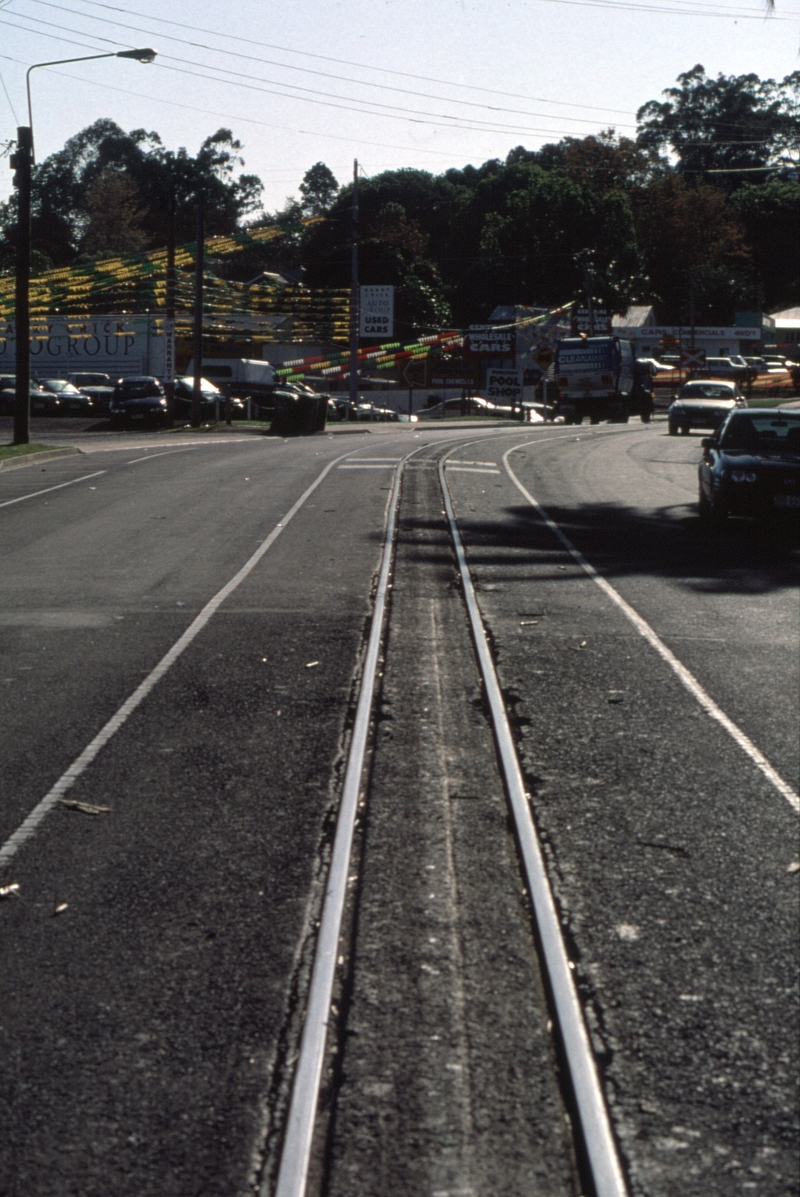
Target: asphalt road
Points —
{"points": [[148, 1029]]}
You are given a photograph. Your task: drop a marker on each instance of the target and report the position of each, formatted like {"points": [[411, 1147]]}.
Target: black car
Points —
{"points": [[212, 401], [72, 401], [40, 400], [751, 467], [139, 400], [99, 387]]}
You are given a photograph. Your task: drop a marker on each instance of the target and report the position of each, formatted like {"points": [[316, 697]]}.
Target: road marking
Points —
{"points": [[359, 466], [79, 766], [34, 494], [465, 469], [457, 461], [166, 453], [595, 1125], [393, 460], [643, 627]]}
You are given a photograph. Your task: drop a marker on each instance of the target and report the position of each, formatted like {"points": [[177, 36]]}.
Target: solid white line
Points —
{"points": [[166, 453], [595, 1124], [459, 469], [358, 466], [393, 460], [34, 494], [67, 779], [457, 461], [643, 627], [295, 1157]]}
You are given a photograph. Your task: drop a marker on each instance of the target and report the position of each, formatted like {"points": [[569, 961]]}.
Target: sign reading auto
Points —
{"points": [[487, 340], [377, 312]]}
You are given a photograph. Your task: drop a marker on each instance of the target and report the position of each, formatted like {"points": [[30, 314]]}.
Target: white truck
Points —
{"points": [[599, 377], [240, 377]]}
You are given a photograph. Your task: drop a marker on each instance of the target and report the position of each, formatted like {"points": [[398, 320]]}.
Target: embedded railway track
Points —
{"points": [[409, 999]]}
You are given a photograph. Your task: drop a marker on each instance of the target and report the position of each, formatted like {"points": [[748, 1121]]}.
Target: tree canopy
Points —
{"points": [[705, 199]]}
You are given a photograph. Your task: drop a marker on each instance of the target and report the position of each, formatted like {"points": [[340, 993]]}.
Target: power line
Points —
{"points": [[413, 116], [315, 71]]}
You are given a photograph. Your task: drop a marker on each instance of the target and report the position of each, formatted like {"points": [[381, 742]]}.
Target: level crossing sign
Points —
{"points": [[692, 358]]}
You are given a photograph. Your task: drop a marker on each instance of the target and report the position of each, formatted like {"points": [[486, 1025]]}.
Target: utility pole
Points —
{"points": [[197, 348], [169, 323], [691, 303], [21, 161], [588, 282], [355, 314]]}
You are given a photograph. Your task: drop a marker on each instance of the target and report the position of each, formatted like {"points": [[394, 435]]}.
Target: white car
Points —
{"points": [[703, 403]]}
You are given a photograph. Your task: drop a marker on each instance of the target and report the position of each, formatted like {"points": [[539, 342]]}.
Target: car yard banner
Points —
{"points": [[487, 340], [116, 345]]}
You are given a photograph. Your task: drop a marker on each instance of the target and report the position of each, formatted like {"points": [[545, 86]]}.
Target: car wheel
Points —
{"points": [[672, 429], [646, 416], [684, 429]]}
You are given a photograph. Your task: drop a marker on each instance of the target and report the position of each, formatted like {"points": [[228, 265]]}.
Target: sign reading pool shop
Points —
{"points": [[116, 345]]}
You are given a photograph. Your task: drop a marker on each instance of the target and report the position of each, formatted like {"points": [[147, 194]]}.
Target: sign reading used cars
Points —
{"points": [[376, 312], [504, 386]]}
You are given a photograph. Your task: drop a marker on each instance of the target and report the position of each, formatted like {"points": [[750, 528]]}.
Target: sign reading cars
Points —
{"points": [[504, 386], [487, 340], [376, 312]]}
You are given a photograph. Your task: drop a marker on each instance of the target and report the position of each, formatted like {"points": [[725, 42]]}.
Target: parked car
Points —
{"points": [[72, 401], [99, 387], [751, 467], [703, 404], [210, 397], [39, 399], [726, 367], [476, 406], [138, 400]]}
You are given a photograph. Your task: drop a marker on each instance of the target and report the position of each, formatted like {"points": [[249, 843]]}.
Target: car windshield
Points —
{"points": [[762, 433], [60, 386], [695, 391], [140, 389], [90, 380]]}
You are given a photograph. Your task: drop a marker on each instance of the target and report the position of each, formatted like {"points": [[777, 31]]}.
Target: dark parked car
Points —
{"points": [[72, 401], [210, 396], [752, 467], [40, 399], [139, 400], [99, 387]]}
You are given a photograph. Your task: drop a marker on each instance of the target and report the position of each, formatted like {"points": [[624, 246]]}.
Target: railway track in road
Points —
{"points": [[548, 814], [589, 1160], [395, 1069]]}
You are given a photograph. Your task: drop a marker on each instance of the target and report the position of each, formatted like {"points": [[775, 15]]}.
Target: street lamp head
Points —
{"points": [[139, 55]]}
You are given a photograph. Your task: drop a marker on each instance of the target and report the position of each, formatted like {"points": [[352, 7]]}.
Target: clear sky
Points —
{"points": [[423, 83]]}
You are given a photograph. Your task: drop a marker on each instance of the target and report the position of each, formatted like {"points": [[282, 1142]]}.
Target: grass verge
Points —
{"points": [[7, 451]]}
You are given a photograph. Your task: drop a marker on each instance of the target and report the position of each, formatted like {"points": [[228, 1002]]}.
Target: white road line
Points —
{"points": [[595, 1125], [457, 461], [67, 779], [393, 460], [34, 494], [459, 469], [643, 627], [295, 1157], [166, 453], [359, 466]]}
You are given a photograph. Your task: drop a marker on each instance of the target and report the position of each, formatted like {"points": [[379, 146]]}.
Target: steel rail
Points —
{"points": [[296, 1153], [594, 1123]]}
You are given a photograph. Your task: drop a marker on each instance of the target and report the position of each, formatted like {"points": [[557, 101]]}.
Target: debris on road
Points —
{"points": [[9, 891], [86, 808], [62, 906], [311, 664]]}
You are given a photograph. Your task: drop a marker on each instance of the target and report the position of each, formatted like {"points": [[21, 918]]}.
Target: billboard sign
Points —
{"points": [[489, 340], [504, 386], [60, 345], [376, 312]]}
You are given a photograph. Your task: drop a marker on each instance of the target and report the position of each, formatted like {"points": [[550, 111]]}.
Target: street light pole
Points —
{"points": [[22, 161]]}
